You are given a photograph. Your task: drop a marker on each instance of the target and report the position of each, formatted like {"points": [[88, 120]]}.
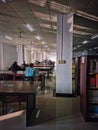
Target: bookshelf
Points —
{"points": [[89, 87], [77, 74], [73, 70], [73, 75]]}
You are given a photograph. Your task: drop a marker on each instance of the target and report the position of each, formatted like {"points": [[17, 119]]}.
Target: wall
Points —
{"points": [[7, 56]]}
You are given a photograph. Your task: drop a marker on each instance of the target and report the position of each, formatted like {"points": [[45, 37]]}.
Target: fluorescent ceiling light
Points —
{"points": [[84, 42], [74, 48], [90, 49], [38, 37], [43, 42], [46, 46], [78, 46], [95, 47], [29, 27], [94, 36], [8, 37], [28, 46]]}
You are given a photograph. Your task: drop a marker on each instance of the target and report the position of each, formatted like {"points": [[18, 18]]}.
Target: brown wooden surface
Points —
{"points": [[22, 88], [18, 87], [83, 88]]}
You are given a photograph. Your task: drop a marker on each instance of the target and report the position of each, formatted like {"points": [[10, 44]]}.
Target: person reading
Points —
{"points": [[30, 72]]}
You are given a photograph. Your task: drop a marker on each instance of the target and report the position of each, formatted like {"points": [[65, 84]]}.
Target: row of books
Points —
{"points": [[94, 81], [93, 109], [93, 96], [94, 65]]}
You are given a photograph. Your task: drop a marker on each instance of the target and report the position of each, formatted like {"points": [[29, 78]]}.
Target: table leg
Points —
{"points": [[30, 108], [48, 74]]}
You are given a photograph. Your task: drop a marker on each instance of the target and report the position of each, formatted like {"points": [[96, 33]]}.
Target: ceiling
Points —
{"points": [[16, 15]]}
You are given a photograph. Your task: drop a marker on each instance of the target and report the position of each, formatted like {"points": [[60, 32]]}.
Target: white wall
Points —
{"points": [[8, 55], [28, 56]]}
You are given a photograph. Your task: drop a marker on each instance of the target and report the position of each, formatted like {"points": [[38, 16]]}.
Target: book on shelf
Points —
{"points": [[93, 109], [93, 96], [96, 98], [93, 65], [97, 66], [97, 80], [92, 81]]}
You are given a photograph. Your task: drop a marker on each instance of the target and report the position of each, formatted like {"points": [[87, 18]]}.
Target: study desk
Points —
{"points": [[9, 75], [22, 88], [44, 69]]}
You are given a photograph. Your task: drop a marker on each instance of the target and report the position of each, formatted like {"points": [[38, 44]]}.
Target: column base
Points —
{"points": [[63, 94]]}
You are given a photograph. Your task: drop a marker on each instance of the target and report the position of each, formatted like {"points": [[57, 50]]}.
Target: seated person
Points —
{"points": [[24, 65], [37, 62], [14, 67], [30, 73]]}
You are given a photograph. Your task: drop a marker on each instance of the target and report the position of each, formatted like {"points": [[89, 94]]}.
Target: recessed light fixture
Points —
{"points": [[90, 49], [8, 37], [38, 37], [79, 46], [94, 36], [84, 42], [46, 46], [29, 27], [74, 48], [43, 42], [95, 47]]}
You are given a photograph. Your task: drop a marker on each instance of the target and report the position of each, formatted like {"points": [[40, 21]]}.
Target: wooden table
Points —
{"points": [[44, 69], [22, 88], [9, 75]]}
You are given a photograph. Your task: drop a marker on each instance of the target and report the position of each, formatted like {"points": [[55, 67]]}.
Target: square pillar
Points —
{"points": [[64, 53]]}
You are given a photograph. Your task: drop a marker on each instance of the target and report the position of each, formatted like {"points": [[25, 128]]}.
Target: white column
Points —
{"points": [[1, 57], [32, 56], [64, 54], [42, 56], [20, 54], [28, 56], [7, 55], [35, 55], [25, 54]]}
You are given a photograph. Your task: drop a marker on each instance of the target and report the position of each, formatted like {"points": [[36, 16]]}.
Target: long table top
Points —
{"points": [[18, 87]]}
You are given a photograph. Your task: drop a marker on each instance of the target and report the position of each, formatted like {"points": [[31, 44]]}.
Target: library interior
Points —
{"points": [[49, 64]]}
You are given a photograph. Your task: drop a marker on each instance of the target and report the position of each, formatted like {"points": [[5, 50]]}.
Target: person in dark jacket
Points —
{"points": [[14, 67]]}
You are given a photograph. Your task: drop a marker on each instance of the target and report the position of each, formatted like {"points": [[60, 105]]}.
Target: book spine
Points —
{"points": [[92, 81], [97, 80]]}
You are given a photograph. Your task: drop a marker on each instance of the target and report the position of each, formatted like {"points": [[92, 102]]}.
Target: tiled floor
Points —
{"points": [[56, 113]]}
